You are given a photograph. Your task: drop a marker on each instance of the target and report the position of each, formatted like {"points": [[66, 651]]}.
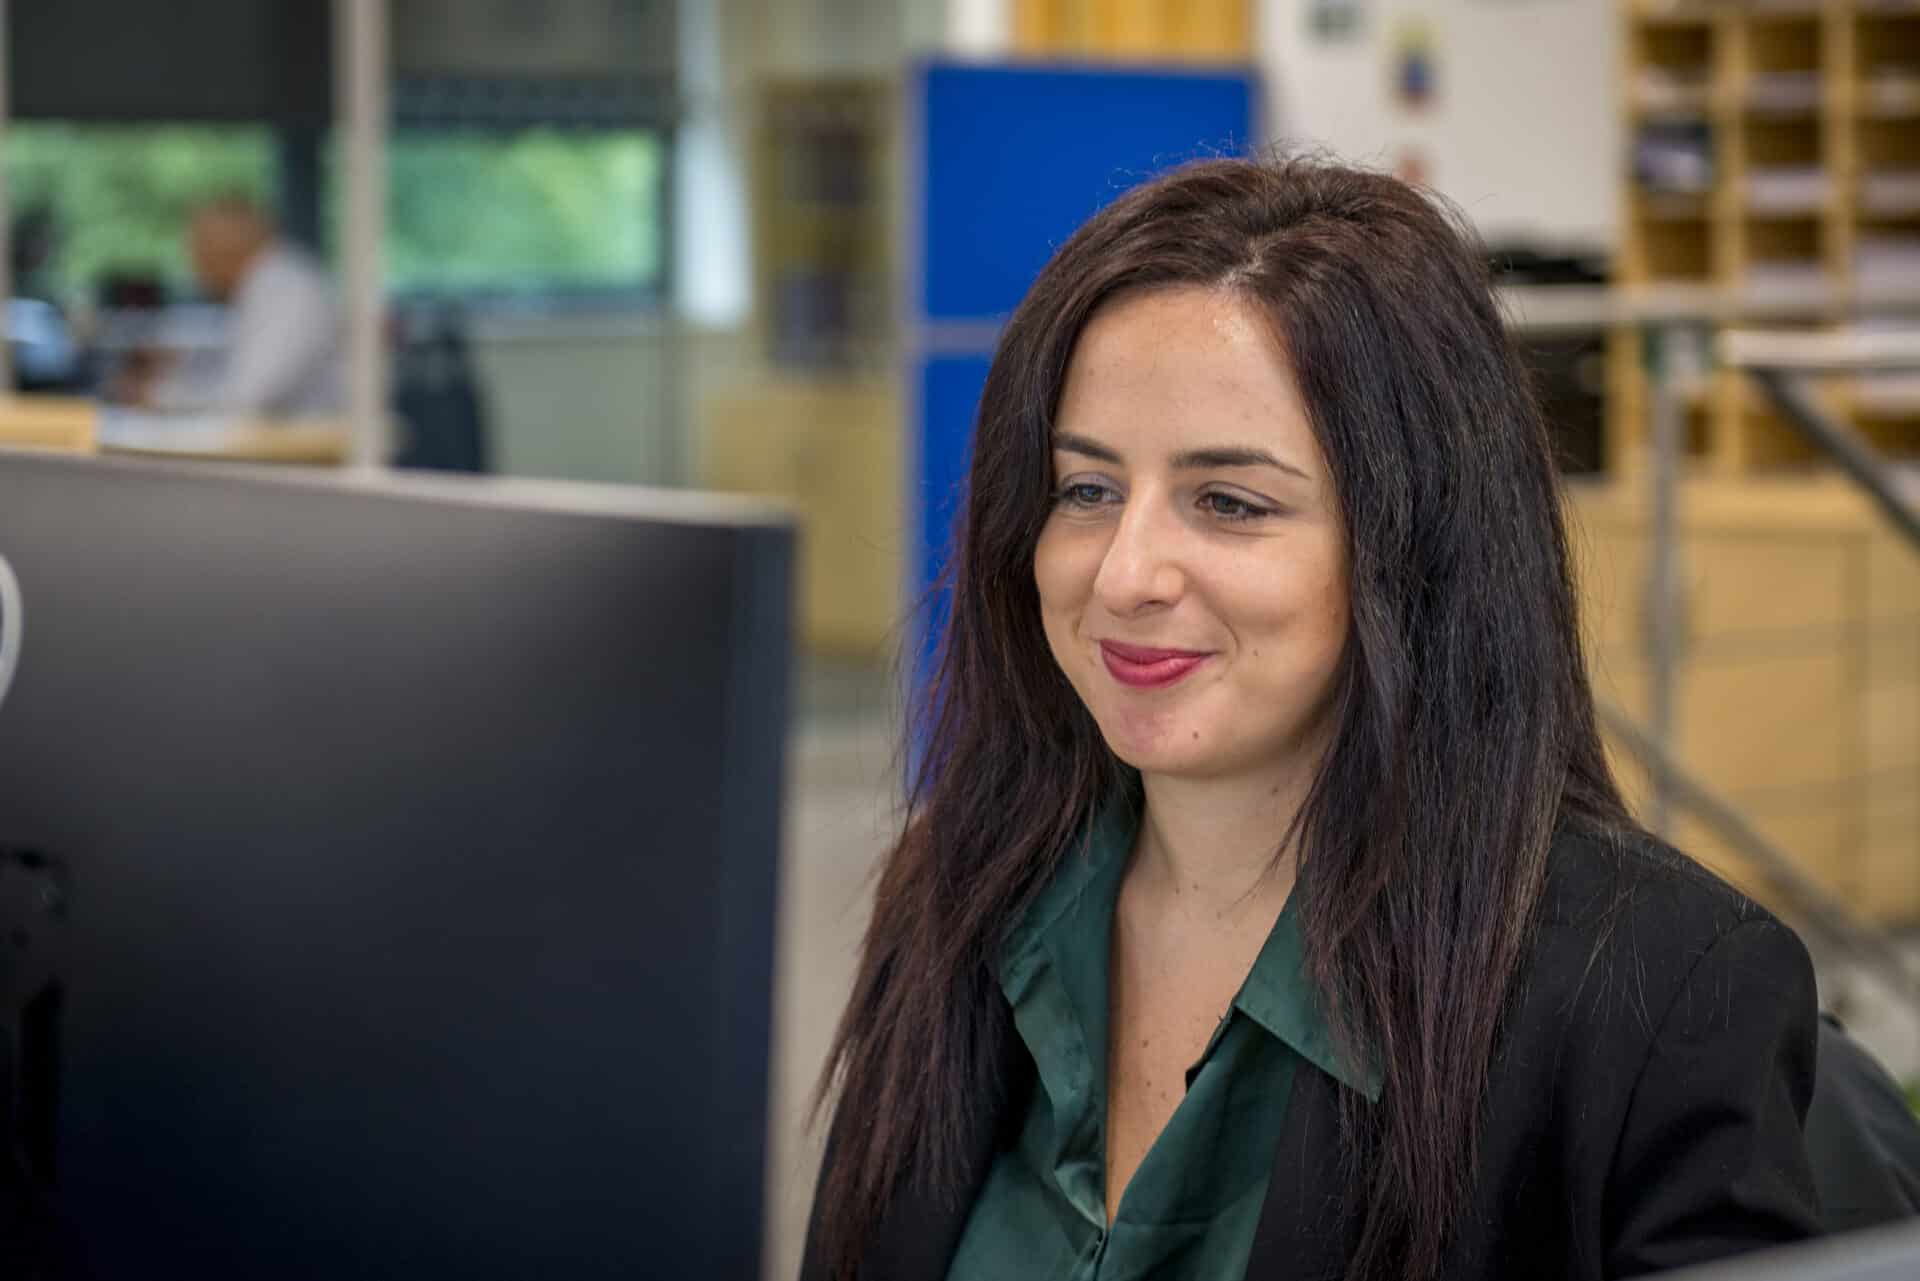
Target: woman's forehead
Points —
{"points": [[1179, 370]]}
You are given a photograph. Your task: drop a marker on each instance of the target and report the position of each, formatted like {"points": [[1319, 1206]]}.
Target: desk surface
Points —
{"points": [[223, 438], [73, 425], [64, 423]]}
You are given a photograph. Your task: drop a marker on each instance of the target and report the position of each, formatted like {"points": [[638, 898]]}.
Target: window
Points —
{"points": [[119, 195], [530, 212], [513, 213]]}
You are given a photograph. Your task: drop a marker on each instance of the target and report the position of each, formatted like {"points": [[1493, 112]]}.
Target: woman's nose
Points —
{"points": [[1141, 566]]}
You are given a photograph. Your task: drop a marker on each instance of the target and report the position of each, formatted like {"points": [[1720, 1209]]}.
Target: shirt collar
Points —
{"points": [[1277, 995], [1070, 922], [1280, 997]]}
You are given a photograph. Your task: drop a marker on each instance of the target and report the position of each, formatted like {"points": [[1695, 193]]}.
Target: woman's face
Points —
{"points": [[1192, 572]]}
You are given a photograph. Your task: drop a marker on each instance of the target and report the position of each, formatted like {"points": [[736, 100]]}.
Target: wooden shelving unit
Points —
{"points": [[1773, 166], [823, 207], [1772, 180]]}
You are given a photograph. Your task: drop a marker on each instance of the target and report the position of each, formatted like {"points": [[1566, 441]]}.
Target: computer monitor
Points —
{"points": [[1890, 1253], [417, 840]]}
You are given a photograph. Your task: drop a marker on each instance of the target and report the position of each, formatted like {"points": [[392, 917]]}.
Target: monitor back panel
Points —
{"points": [[422, 859]]}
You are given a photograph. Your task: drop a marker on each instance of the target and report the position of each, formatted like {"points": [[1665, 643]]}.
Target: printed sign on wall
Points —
{"points": [[1413, 70]]}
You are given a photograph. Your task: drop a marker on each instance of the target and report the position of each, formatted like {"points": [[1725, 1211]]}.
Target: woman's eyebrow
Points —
{"points": [[1232, 456], [1085, 446], [1186, 460]]}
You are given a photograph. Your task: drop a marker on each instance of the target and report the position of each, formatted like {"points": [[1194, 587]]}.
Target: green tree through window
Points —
{"points": [[534, 211], [121, 194], [529, 212]]}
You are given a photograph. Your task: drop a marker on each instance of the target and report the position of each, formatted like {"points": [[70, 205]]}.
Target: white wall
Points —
{"points": [[1523, 129], [587, 399], [822, 37]]}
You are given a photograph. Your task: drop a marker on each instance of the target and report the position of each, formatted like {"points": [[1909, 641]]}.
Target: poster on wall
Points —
{"points": [[1332, 21], [1413, 59]]}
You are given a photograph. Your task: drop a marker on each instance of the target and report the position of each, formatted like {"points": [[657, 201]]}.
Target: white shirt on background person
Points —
{"points": [[283, 356]]}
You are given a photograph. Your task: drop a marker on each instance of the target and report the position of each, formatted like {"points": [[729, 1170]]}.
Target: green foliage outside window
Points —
{"points": [[531, 212], [122, 194], [538, 211]]}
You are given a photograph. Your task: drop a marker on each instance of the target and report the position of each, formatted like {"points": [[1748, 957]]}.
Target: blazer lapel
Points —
{"points": [[1300, 1236], [919, 1234]]}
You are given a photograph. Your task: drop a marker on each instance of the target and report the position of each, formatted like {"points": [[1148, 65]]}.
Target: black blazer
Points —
{"points": [[1644, 1112]]}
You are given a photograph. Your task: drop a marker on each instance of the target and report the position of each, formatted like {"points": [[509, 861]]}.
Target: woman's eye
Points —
{"points": [[1227, 507], [1083, 493]]}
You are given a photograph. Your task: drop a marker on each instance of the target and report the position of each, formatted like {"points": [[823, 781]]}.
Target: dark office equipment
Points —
{"points": [[1673, 156], [131, 292], [1862, 1139], [436, 394], [417, 846], [44, 356], [1568, 365], [1879, 1254]]}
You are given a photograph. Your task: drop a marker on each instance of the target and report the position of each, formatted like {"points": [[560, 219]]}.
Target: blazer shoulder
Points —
{"points": [[1662, 1047], [1600, 880], [1626, 915]]}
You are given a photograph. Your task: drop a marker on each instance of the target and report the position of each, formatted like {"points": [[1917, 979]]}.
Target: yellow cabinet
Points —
{"points": [[832, 452], [1797, 682]]}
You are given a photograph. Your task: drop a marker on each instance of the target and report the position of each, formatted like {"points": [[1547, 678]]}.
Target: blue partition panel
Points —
{"points": [[949, 395], [1006, 162], [1017, 157]]}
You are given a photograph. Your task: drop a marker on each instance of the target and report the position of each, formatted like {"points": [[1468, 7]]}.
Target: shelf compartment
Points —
{"points": [[1883, 144], [1677, 251], [1679, 47], [1673, 158], [1790, 142], [1783, 42], [1894, 402], [1887, 98], [1886, 262], [1888, 195], [1793, 191], [1886, 46], [1784, 243], [1673, 206], [1669, 92]]}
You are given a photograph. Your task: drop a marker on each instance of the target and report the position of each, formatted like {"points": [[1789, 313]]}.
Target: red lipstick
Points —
{"points": [[1145, 668]]}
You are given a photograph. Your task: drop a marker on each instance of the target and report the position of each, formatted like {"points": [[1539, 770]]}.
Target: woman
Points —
{"points": [[1265, 906]]}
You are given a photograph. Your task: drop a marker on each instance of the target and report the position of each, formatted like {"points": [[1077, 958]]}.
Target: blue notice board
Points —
{"points": [[1005, 162]]}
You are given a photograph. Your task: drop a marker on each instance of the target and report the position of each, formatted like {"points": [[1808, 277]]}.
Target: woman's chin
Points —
{"points": [[1164, 754]]}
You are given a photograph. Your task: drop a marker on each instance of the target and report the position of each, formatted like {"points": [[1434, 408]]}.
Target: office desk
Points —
{"points": [[223, 439], [73, 425], [67, 424]]}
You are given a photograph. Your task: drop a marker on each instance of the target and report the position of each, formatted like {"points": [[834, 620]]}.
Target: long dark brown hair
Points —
{"points": [[1465, 732]]}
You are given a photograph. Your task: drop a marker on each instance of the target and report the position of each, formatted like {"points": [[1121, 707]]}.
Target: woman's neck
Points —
{"points": [[1213, 845]]}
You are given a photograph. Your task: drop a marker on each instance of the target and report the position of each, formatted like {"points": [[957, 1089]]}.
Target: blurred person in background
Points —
{"points": [[284, 355]]}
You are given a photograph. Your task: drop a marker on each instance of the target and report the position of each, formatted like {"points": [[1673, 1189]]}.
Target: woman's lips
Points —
{"points": [[1145, 668]]}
